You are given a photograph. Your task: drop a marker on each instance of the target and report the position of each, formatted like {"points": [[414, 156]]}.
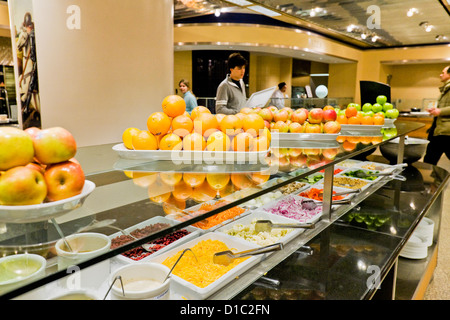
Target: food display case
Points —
{"points": [[352, 247]]}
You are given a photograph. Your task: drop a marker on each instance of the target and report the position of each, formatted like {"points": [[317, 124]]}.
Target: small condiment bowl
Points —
{"points": [[14, 270], [76, 295], [139, 274]]}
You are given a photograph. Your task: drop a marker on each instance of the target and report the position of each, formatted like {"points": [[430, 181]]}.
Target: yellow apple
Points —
{"points": [[54, 145], [16, 148], [21, 186]]}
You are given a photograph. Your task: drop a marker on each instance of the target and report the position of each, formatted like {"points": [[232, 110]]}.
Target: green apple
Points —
{"points": [[376, 107], [16, 148], [387, 106], [369, 113], [357, 106], [396, 113], [392, 113], [367, 107], [22, 186], [381, 99]]}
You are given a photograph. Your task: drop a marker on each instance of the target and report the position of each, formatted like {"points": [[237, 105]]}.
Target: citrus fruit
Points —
{"points": [[182, 191], [378, 119], [218, 141], [182, 125], [194, 141], [242, 142], [354, 120], [205, 124], [173, 205], [348, 146], [342, 119], [163, 197], [193, 179], [253, 123], [127, 137], [170, 142], [203, 192], [173, 105], [198, 110], [240, 115], [158, 123], [144, 179], [144, 140], [260, 177], [367, 120], [231, 125], [218, 181], [220, 116], [241, 181], [171, 178], [351, 111]]}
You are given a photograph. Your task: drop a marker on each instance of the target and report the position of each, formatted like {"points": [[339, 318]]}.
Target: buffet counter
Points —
{"points": [[353, 248], [418, 117]]}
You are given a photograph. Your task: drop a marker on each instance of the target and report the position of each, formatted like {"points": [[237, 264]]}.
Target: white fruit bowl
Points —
{"points": [[46, 210]]}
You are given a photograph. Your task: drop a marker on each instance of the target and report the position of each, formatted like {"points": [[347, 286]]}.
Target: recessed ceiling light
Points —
{"points": [[375, 38], [240, 2], [412, 12], [351, 27]]}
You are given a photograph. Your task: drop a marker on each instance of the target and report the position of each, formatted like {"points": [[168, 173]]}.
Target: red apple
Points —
{"points": [[266, 114], [295, 127], [16, 148], [313, 127], [328, 108], [21, 186], [32, 131], [298, 161], [272, 108], [299, 116], [330, 154], [37, 166], [289, 111], [315, 115], [280, 115], [54, 145], [64, 180], [329, 115], [267, 124], [295, 152], [332, 127], [280, 126], [304, 110]]}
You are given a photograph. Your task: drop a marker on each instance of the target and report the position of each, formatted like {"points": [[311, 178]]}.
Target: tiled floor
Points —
{"points": [[439, 288]]}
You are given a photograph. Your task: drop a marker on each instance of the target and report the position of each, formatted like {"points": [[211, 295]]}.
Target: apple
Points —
{"points": [[299, 116], [266, 114], [328, 107], [54, 145], [32, 131], [16, 148], [267, 124], [64, 180], [295, 127], [367, 107], [36, 166], [329, 115], [357, 106], [368, 113], [391, 113], [381, 99], [21, 186], [330, 154], [280, 126], [376, 107], [315, 115], [332, 127], [272, 108], [387, 106], [313, 127], [280, 115]]}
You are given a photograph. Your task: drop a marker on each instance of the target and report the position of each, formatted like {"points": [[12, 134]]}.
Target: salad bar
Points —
{"points": [[309, 230]]}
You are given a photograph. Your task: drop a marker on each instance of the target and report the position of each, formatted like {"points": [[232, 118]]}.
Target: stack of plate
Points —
{"points": [[421, 239]]}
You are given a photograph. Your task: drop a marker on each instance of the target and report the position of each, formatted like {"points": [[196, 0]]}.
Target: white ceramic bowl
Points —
{"points": [[76, 295], [20, 269], [139, 282], [426, 229]]}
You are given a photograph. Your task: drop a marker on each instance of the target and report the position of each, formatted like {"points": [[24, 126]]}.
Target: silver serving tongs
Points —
{"points": [[227, 257], [267, 225], [342, 193], [310, 204]]}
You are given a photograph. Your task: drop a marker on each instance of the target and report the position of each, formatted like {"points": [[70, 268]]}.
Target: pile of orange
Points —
{"points": [[351, 115], [175, 129]]}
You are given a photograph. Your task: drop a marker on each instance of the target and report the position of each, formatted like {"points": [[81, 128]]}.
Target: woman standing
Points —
{"points": [[189, 98]]}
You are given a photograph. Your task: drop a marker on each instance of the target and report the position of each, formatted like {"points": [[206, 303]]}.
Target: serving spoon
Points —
{"points": [[267, 225]]}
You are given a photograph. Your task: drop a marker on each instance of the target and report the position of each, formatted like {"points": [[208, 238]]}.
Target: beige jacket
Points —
{"points": [[443, 120]]}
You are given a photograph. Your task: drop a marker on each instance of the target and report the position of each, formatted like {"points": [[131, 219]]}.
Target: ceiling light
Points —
{"points": [[412, 12], [363, 36], [440, 37], [375, 38], [264, 11], [217, 12], [240, 2], [351, 27], [424, 24]]}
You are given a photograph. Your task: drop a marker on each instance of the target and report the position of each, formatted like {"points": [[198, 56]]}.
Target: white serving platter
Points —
{"points": [[193, 233], [188, 156], [191, 291], [46, 210], [343, 174], [304, 136], [360, 130]]}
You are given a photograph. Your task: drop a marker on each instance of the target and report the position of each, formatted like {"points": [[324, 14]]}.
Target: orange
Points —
{"points": [[193, 179], [158, 187], [377, 139], [260, 143], [127, 137], [182, 191], [242, 142], [218, 181], [170, 142], [240, 115], [163, 197], [354, 120], [203, 192], [246, 110], [365, 140], [205, 124], [144, 179], [231, 125], [253, 123], [171, 178], [144, 140], [173, 205], [348, 146], [241, 181], [351, 111], [198, 110], [229, 189], [194, 141], [367, 120], [260, 177], [182, 125], [342, 119], [378, 120], [218, 141], [341, 139], [354, 139], [220, 116], [158, 123], [173, 105]]}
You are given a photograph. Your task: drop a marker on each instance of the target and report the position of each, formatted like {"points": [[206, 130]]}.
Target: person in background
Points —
{"points": [[231, 96], [189, 98], [280, 95], [439, 134]]}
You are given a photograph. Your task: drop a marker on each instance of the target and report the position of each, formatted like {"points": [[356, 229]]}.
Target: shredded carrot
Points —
{"points": [[313, 193], [219, 218], [200, 270]]}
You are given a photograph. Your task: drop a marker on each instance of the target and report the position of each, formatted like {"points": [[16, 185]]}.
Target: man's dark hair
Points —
{"points": [[448, 69], [281, 85], [236, 60]]}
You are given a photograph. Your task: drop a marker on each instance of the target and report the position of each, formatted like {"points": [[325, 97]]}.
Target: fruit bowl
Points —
{"points": [[46, 210], [414, 150]]}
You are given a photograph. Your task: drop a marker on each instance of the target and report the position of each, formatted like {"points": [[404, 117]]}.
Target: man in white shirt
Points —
{"points": [[231, 96], [280, 95]]}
